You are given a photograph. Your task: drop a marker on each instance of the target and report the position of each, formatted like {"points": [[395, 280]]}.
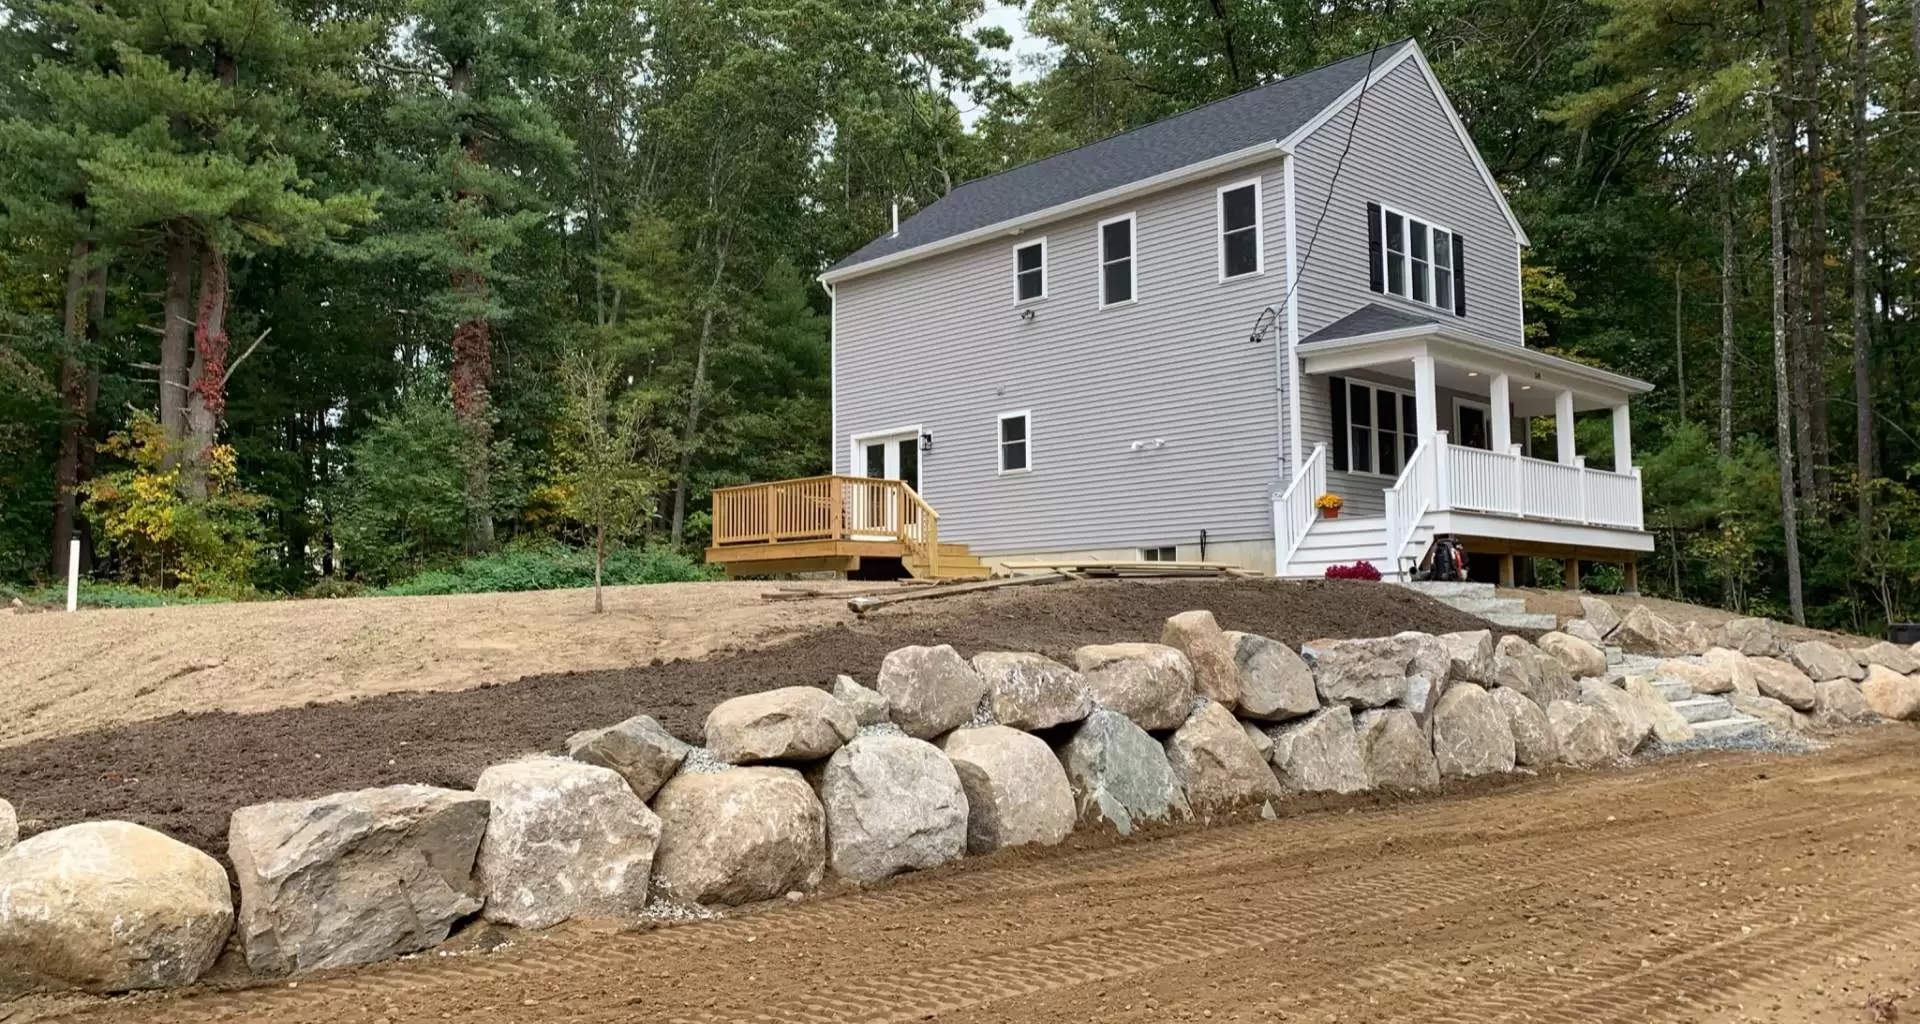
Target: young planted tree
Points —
{"points": [[605, 485]]}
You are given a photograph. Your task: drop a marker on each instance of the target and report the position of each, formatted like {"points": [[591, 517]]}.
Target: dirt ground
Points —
{"points": [[62, 673], [185, 773], [1567, 605], [1710, 889]]}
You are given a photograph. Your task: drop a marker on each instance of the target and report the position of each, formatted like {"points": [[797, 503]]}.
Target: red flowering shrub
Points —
{"points": [[1361, 570]]}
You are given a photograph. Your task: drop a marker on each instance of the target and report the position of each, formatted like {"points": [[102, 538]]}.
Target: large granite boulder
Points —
{"points": [[1320, 753], [640, 749], [1782, 682], [1471, 736], [932, 690], [1512, 665], [1218, 767], [1643, 632], [893, 804], [1771, 711], [565, 841], [1737, 667], [1366, 673], [1631, 720], [1584, 734], [1119, 774], [1581, 629], [1394, 751], [1275, 684], [1549, 680], [1822, 661], [1753, 637], [1428, 673], [739, 836], [1838, 702], [1700, 639], [1669, 726], [1891, 695], [1149, 683], [1471, 652], [1028, 691], [1196, 635], [1702, 676], [1581, 659], [1533, 737], [1262, 742], [354, 878], [110, 906], [1600, 615], [869, 707], [1017, 791], [793, 723], [9, 826], [1887, 655]]}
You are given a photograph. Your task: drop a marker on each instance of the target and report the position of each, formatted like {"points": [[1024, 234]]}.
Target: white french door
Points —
{"points": [[892, 456]]}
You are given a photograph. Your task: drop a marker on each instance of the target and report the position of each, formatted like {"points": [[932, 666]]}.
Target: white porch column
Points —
{"points": [[1425, 404], [1501, 412], [1622, 440], [1563, 425]]}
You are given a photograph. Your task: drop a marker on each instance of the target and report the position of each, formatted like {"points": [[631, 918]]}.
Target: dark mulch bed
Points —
{"points": [[185, 774]]}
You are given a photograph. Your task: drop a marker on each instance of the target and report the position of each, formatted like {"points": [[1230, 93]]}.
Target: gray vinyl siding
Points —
{"points": [[940, 343], [1404, 155]]}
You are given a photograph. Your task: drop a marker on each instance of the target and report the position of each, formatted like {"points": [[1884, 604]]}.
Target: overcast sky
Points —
{"points": [[1013, 19]]}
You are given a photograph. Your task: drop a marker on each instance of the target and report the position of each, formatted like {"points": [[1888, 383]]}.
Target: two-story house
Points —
{"points": [[1167, 344]]}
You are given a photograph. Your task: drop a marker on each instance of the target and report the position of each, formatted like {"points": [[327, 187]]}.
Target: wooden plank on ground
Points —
{"points": [[866, 603], [1098, 568]]}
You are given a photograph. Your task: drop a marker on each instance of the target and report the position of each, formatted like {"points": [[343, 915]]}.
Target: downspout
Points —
{"points": [[833, 378], [1290, 428]]}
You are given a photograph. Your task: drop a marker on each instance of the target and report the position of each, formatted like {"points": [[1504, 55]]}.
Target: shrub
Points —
{"points": [[552, 566], [1361, 570], [402, 505]]}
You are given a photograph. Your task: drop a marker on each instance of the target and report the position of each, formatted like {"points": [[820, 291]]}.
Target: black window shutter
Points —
{"points": [[1376, 250], [1459, 276], [1340, 440]]}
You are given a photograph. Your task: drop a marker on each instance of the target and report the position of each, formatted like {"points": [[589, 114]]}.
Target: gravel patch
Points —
{"points": [[701, 761]]}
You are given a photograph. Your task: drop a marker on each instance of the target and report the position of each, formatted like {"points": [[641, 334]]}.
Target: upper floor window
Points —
{"points": [[1240, 245], [1416, 259], [1030, 271], [1118, 265]]}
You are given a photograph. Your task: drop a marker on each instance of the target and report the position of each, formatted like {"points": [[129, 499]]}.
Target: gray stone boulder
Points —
{"points": [[893, 804], [354, 878], [110, 906], [1149, 683], [1699, 676], [1599, 615], [1548, 680], [739, 836], [1196, 635], [1737, 667], [1782, 682], [1471, 736], [1643, 632], [1700, 639], [1428, 673], [1471, 652], [1534, 744], [793, 723], [1669, 726], [867, 705], [932, 689], [1581, 659], [1367, 673], [1581, 629], [1027, 691], [640, 749], [1120, 775], [1394, 750], [9, 826], [1838, 703], [1887, 655], [1822, 661], [1584, 734], [1218, 767], [565, 841], [1513, 664], [1262, 742], [1891, 695], [1275, 684], [1753, 637], [1017, 791], [1773, 712], [1631, 720], [1321, 753]]}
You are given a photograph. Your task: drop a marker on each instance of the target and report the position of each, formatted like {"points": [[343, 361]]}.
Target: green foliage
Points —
{"points": [[401, 506], [551, 566], [94, 594]]}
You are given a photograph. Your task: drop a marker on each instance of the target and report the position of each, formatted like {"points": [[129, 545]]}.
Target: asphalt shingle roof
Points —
{"points": [[1371, 318], [1265, 114]]}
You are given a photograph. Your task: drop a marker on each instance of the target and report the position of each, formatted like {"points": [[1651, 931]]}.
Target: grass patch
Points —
{"points": [[553, 567]]}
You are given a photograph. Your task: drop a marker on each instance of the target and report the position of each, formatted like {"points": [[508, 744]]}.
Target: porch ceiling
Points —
{"points": [[1467, 364]]}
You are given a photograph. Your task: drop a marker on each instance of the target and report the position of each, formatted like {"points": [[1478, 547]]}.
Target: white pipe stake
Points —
{"points": [[73, 574]]}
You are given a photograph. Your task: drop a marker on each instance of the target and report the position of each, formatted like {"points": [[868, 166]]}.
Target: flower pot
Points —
{"points": [[1330, 513]]}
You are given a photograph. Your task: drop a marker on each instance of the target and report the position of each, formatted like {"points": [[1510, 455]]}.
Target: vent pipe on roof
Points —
{"points": [[896, 218]]}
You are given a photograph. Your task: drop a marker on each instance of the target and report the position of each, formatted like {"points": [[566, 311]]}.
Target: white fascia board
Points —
{"points": [[1017, 225], [1460, 348]]}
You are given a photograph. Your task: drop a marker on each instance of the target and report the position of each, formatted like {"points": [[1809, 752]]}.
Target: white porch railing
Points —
{"points": [[1509, 483], [1293, 511], [1418, 491]]}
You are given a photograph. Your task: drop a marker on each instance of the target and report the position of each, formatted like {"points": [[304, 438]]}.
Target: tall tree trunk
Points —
{"points": [[1863, 456], [1726, 311], [1679, 346], [207, 395], [473, 351], [1814, 263], [599, 559], [695, 401], [76, 406], [1793, 314], [1789, 512], [176, 337]]}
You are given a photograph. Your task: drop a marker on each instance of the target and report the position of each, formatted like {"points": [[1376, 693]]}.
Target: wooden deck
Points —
{"points": [[829, 524]]}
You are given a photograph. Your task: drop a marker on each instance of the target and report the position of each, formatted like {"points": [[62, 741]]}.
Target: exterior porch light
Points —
{"points": [[926, 442]]}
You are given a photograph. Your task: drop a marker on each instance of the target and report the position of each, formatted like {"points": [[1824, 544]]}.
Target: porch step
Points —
{"points": [[1703, 709], [1675, 691]]}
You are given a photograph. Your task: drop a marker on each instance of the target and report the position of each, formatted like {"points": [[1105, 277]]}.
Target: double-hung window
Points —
{"points": [[1416, 260], [1379, 427], [1240, 244], [1015, 443], [1118, 261], [1030, 271]]}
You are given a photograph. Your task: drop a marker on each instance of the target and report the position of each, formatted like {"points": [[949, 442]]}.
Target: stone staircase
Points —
{"points": [[1483, 599], [1715, 721]]}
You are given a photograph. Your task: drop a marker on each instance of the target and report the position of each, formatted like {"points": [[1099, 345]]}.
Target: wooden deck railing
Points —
{"points": [[828, 508]]}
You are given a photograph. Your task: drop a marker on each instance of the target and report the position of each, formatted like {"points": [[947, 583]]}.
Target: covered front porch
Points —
{"points": [[1431, 431]]}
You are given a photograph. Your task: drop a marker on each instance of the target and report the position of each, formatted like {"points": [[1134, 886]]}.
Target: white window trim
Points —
{"points": [[1386, 280], [1000, 445], [1046, 270], [1144, 552], [1373, 412], [857, 443], [1259, 230], [1133, 260]]}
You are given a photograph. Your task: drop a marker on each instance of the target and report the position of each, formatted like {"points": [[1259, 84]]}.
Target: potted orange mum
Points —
{"points": [[1329, 505]]}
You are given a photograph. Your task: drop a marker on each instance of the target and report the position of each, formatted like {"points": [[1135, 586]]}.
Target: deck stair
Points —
{"points": [[1483, 600], [956, 562]]}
